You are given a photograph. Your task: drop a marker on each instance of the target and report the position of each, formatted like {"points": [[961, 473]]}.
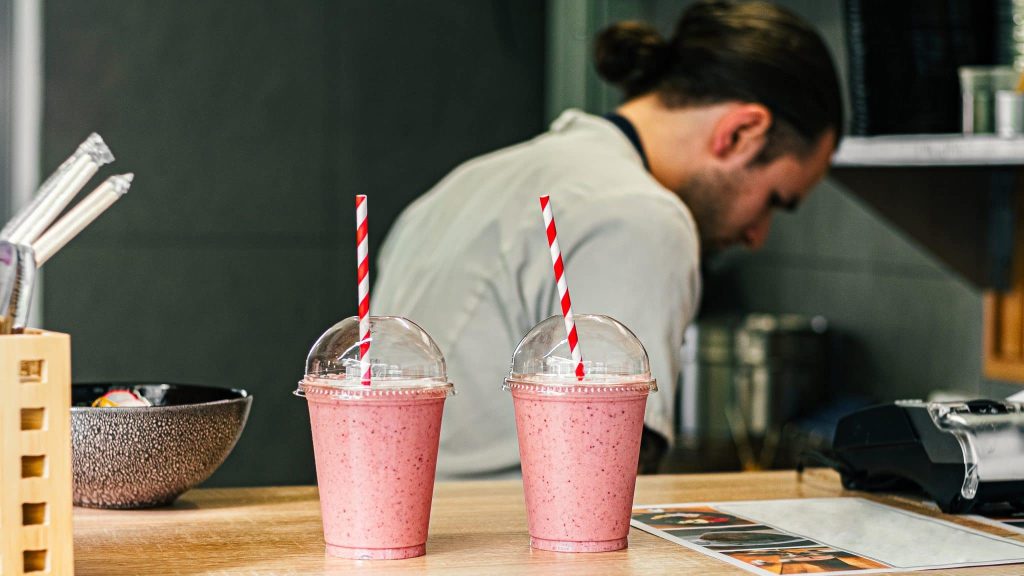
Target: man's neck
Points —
{"points": [[676, 140]]}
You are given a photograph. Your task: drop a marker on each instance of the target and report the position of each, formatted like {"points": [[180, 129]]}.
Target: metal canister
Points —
{"points": [[1009, 113], [744, 378]]}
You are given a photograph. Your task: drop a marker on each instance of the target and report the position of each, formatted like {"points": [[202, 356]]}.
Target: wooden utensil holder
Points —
{"points": [[35, 467]]}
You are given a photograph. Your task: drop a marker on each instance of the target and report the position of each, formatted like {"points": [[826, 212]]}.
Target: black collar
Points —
{"points": [[630, 131]]}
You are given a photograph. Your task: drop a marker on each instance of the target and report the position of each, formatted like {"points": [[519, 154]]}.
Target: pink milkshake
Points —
{"points": [[376, 446], [579, 441]]}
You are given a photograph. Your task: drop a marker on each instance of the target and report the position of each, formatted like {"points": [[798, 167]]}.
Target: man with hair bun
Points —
{"points": [[733, 117]]}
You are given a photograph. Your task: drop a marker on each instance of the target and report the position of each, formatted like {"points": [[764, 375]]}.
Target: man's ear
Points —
{"points": [[740, 134]]}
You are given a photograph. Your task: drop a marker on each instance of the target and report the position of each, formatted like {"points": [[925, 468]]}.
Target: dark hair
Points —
{"points": [[724, 50]]}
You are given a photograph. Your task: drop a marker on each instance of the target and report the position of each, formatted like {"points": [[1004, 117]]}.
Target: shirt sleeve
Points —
{"points": [[638, 262]]}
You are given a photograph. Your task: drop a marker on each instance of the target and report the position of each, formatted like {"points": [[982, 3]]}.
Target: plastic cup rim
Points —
{"points": [[565, 385], [379, 387]]}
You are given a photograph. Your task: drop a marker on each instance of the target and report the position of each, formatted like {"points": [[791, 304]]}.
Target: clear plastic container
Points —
{"points": [[579, 440], [376, 445], [613, 359], [978, 87], [404, 360]]}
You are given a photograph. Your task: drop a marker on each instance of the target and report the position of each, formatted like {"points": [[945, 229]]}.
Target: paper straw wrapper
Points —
{"points": [[81, 216], [21, 299], [17, 275], [8, 280], [57, 191]]}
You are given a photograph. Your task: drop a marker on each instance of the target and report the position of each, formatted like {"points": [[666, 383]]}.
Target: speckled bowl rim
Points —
{"points": [[244, 396]]}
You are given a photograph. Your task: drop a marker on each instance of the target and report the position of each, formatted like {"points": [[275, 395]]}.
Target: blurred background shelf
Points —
{"points": [[934, 150], [959, 196], [956, 195]]}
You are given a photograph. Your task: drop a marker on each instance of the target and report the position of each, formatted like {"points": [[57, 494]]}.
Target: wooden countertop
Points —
{"points": [[475, 528]]}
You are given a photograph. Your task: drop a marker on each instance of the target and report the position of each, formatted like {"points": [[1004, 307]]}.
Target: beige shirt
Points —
{"points": [[469, 262]]}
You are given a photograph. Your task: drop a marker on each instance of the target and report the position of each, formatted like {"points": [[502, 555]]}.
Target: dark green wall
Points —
{"points": [[250, 126]]}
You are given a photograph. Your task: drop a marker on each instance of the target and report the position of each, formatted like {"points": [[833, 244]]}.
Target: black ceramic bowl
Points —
{"points": [[147, 456]]}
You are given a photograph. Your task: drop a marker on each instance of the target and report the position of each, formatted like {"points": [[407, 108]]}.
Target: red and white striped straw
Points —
{"points": [[363, 275], [563, 287]]}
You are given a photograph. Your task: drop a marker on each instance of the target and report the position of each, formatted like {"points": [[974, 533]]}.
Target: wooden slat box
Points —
{"points": [[35, 467]]}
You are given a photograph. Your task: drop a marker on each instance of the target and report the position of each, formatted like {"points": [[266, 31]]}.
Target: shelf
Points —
{"points": [[962, 198], [929, 150], [961, 210]]}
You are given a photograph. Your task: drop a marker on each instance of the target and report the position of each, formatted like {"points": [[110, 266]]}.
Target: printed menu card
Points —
{"points": [[823, 536]]}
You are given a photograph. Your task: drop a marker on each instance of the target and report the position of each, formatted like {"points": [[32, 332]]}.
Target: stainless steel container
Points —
{"points": [[1009, 113], [978, 88], [744, 378]]}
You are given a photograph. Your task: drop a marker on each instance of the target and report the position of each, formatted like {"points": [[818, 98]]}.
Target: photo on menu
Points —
{"points": [[801, 536], [742, 538], [804, 560], [677, 518]]}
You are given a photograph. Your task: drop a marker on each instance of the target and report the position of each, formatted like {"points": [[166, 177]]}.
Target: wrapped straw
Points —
{"points": [[81, 216], [57, 191], [21, 299], [17, 275], [8, 281], [563, 286], [363, 275]]}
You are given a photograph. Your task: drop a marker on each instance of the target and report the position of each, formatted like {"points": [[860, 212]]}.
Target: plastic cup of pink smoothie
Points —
{"points": [[375, 446], [579, 441]]}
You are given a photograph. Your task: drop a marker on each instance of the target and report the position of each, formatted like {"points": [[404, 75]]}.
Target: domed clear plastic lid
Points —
{"points": [[613, 358], [403, 358]]}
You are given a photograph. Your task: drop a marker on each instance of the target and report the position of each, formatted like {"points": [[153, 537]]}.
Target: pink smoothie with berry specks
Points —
{"points": [[579, 455], [375, 461]]}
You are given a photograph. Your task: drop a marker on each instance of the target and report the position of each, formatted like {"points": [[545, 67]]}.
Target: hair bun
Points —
{"points": [[631, 55]]}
